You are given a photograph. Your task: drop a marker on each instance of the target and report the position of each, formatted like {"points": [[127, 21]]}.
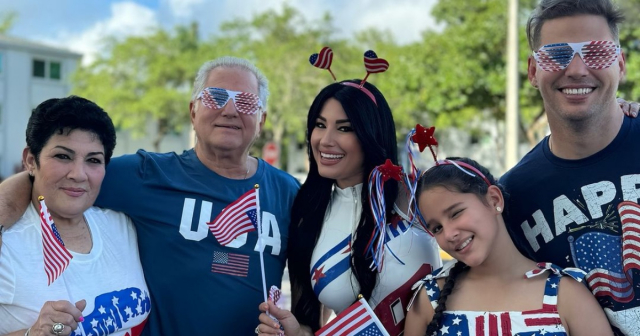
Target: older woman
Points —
{"points": [[102, 291]]}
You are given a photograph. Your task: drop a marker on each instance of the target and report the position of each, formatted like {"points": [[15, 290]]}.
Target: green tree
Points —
{"points": [[280, 43], [448, 78], [7, 20], [145, 78], [458, 74], [149, 78], [630, 42]]}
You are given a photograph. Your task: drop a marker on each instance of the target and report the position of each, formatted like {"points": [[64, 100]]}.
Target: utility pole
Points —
{"points": [[511, 122]]}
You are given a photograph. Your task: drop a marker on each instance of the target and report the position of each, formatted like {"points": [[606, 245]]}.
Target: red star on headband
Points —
{"points": [[424, 137], [390, 171]]}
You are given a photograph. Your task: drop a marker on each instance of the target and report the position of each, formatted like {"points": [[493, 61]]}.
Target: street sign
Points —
{"points": [[271, 153]]}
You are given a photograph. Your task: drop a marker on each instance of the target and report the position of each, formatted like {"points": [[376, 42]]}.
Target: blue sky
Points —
{"points": [[79, 24]]}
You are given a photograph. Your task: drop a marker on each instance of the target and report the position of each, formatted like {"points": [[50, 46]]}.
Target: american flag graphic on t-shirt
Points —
{"points": [[230, 263]]}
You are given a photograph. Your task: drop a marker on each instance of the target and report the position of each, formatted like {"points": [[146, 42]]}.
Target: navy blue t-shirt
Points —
{"points": [[584, 213], [199, 287]]}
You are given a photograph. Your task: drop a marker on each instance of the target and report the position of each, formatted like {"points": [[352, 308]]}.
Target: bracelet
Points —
{"points": [[27, 332]]}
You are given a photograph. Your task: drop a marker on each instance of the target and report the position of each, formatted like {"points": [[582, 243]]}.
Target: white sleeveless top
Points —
{"points": [[331, 277]]}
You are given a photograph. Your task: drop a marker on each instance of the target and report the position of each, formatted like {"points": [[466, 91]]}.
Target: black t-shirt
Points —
{"points": [[584, 213]]}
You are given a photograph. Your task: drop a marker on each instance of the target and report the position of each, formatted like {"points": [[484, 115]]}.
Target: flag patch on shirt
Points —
{"points": [[230, 263]]}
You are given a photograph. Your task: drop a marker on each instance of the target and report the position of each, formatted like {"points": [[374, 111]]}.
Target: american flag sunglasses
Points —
{"points": [[596, 55], [217, 98]]}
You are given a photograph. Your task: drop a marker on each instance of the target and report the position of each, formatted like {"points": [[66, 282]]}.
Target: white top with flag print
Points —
{"points": [[109, 277], [543, 321], [331, 277]]}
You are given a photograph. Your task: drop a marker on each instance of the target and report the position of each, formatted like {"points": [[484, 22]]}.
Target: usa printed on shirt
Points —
{"points": [[230, 263]]}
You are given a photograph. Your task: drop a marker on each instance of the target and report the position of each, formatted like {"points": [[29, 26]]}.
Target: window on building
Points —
{"points": [[54, 70], [38, 68]]}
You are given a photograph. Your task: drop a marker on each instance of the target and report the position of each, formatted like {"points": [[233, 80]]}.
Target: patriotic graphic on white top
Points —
{"points": [[545, 321], [114, 311], [410, 252]]}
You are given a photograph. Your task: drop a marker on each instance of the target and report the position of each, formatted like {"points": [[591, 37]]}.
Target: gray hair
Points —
{"points": [[231, 62], [553, 9]]}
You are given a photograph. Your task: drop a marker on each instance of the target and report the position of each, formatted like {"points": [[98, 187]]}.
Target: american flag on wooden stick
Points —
{"points": [[357, 320], [56, 256], [237, 218]]}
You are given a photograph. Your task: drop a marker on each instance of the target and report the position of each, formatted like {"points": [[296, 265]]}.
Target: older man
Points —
{"points": [[199, 286], [575, 195]]}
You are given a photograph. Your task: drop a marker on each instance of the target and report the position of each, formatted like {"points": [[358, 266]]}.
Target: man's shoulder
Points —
{"points": [[280, 175], [143, 157], [635, 124]]}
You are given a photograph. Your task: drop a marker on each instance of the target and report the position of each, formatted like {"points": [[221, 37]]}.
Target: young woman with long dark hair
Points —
{"points": [[350, 131]]}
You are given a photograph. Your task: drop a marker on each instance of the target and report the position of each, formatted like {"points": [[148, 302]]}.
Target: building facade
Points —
{"points": [[29, 74]]}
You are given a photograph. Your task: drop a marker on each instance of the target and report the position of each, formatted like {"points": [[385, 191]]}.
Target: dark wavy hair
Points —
{"points": [[452, 178], [375, 129], [63, 115]]}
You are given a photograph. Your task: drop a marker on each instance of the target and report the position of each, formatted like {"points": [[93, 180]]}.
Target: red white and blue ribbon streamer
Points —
{"points": [[423, 137], [379, 175], [415, 172]]}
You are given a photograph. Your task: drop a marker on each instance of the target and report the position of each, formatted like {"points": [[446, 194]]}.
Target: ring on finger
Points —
{"points": [[257, 330], [57, 328]]}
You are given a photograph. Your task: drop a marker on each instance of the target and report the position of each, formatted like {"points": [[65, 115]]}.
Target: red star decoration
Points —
{"points": [[390, 171], [424, 137], [318, 274]]}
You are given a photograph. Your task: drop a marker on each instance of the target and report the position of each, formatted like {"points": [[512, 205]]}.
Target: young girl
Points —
{"points": [[350, 131], [492, 289]]}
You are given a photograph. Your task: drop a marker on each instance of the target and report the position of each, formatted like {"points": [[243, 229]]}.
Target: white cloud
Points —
{"points": [[184, 8], [406, 19], [127, 19]]}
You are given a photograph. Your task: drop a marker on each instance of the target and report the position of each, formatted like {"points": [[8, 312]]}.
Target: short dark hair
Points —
{"points": [[63, 115], [553, 9]]}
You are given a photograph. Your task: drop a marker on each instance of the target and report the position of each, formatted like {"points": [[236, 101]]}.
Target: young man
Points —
{"points": [[574, 196]]}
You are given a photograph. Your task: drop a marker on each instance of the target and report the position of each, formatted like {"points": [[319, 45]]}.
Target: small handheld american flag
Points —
{"points": [[56, 256], [237, 218], [357, 320]]}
